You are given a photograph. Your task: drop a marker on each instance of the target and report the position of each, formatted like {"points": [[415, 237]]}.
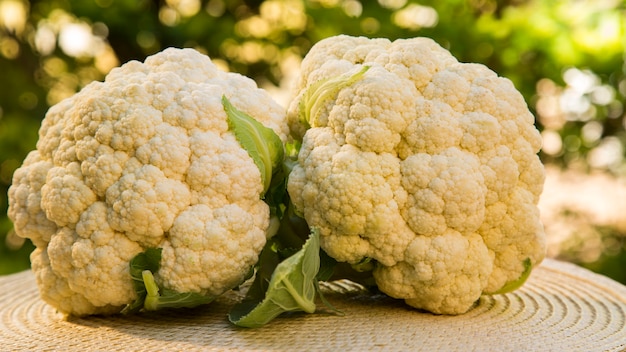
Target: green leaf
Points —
{"points": [[262, 143], [149, 295], [327, 267], [277, 197], [360, 273], [156, 300], [320, 92], [514, 285], [366, 264], [149, 260], [292, 287]]}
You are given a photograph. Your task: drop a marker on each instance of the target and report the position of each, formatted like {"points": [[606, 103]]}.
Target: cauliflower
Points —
{"points": [[146, 160], [422, 165]]}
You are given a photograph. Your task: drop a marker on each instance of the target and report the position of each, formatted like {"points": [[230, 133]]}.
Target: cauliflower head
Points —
{"points": [[420, 163], [144, 160]]}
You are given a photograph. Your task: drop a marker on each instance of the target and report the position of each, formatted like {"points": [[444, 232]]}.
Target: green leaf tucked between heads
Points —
{"points": [[262, 143]]}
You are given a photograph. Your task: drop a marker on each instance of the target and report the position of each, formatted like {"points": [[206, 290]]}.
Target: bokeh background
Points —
{"points": [[566, 57]]}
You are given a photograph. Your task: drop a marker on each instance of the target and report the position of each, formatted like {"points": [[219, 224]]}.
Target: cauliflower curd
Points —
{"points": [[143, 160], [423, 164]]}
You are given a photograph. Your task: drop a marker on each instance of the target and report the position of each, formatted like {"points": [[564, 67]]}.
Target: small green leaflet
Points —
{"points": [[158, 298], [262, 143], [149, 295], [320, 92], [292, 287], [514, 285], [276, 196], [150, 260]]}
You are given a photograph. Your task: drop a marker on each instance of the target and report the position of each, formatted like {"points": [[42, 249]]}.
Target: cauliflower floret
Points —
{"points": [[145, 159], [202, 238], [57, 290], [426, 165], [436, 269], [25, 199]]}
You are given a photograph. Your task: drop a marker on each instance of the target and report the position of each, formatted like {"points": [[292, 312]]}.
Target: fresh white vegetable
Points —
{"points": [[162, 155], [419, 164]]}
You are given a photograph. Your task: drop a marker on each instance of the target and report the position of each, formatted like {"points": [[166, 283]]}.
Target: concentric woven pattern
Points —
{"points": [[561, 308]]}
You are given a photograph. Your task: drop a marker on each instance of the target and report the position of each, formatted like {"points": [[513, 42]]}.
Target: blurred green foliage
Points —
{"points": [[566, 57]]}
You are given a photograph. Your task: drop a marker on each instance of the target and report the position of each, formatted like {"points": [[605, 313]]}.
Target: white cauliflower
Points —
{"points": [[145, 159], [421, 164]]}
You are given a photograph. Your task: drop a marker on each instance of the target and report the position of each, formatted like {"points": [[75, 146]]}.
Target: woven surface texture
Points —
{"points": [[561, 308]]}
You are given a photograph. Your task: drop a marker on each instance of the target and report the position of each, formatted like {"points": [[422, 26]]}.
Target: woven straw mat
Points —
{"points": [[562, 307]]}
